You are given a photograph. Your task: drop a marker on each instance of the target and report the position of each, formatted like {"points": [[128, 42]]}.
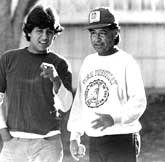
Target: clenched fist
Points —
{"points": [[49, 71]]}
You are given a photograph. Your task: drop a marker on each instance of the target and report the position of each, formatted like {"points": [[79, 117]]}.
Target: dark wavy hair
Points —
{"points": [[42, 18], [115, 26]]}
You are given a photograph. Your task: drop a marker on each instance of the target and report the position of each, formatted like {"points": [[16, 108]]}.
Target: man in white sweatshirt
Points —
{"points": [[110, 96]]}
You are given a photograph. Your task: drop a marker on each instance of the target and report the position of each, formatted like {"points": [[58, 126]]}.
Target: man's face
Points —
{"points": [[40, 40], [103, 39]]}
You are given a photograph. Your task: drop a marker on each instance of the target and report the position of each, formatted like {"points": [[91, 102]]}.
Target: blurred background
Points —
{"points": [[142, 35]]}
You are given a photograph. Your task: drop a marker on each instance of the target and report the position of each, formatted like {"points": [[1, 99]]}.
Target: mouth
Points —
{"points": [[97, 45], [44, 44]]}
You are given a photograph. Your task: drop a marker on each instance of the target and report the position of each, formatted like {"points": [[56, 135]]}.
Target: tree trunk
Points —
{"points": [[4, 23], [11, 26]]}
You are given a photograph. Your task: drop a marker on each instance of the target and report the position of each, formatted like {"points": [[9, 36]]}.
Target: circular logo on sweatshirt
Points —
{"points": [[96, 93]]}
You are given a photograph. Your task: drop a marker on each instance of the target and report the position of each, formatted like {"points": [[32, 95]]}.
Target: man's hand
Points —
{"points": [[77, 150], [103, 121], [5, 135], [50, 72]]}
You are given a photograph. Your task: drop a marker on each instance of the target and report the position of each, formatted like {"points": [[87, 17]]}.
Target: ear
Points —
{"points": [[116, 33], [55, 36]]}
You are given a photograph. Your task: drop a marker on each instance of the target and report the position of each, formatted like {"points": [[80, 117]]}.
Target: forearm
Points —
{"points": [[56, 84], [63, 99], [5, 135], [2, 114], [62, 86], [75, 123], [135, 102], [133, 109], [129, 112]]}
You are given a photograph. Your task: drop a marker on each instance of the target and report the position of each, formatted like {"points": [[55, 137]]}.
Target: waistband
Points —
{"points": [[26, 135]]}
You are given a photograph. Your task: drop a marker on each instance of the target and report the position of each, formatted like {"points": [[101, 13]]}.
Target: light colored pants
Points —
{"points": [[32, 150]]}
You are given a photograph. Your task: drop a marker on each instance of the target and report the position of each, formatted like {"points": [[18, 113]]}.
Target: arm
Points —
{"points": [[5, 135], [2, 114], [75, 124], [135, 105], [75, 121], [63, 96]]}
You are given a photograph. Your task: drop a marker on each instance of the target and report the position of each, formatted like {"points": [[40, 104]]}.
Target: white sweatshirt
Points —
{"points": [[109, 85]]}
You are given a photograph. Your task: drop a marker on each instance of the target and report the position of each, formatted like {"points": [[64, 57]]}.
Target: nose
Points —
{"points": [[98, 36], [44, 35]]}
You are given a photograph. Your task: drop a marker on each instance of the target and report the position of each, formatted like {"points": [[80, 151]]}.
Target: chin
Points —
{"points": [[43, 49], [99, 51]]}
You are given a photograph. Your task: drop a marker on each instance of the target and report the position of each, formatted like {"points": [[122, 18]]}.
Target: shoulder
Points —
{"points": [[129, 62], [59, 61], [57, 57], [125, 57], [90, 57], [11, 53]]}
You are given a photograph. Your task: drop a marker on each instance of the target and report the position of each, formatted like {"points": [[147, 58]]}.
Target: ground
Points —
{"points": [[153, 132]]}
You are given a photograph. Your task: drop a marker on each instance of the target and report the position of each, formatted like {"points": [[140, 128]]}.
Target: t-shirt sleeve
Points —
{"points": [[65, 73], [2, 73]]}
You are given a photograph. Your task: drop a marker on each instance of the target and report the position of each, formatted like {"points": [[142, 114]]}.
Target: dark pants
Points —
{"points": [[113, 148]]}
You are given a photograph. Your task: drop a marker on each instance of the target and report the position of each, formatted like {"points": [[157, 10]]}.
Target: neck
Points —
{"points": [[35, 52], [109, 52]]}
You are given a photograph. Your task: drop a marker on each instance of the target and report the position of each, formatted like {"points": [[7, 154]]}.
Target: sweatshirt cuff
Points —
{"points": [[75, 136]]}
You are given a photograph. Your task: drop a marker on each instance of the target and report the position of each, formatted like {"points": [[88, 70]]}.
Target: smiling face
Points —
{"points": [[40, 40], [103, 40]]}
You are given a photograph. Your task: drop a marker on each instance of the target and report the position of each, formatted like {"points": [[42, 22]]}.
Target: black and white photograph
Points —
{"points": [[82, 81]]}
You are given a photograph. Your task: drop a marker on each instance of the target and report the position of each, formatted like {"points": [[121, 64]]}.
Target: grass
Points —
{"points": [[153, 132]]}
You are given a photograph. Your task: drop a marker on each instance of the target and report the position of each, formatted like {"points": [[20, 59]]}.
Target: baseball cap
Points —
{"points": [[101, 17]]}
